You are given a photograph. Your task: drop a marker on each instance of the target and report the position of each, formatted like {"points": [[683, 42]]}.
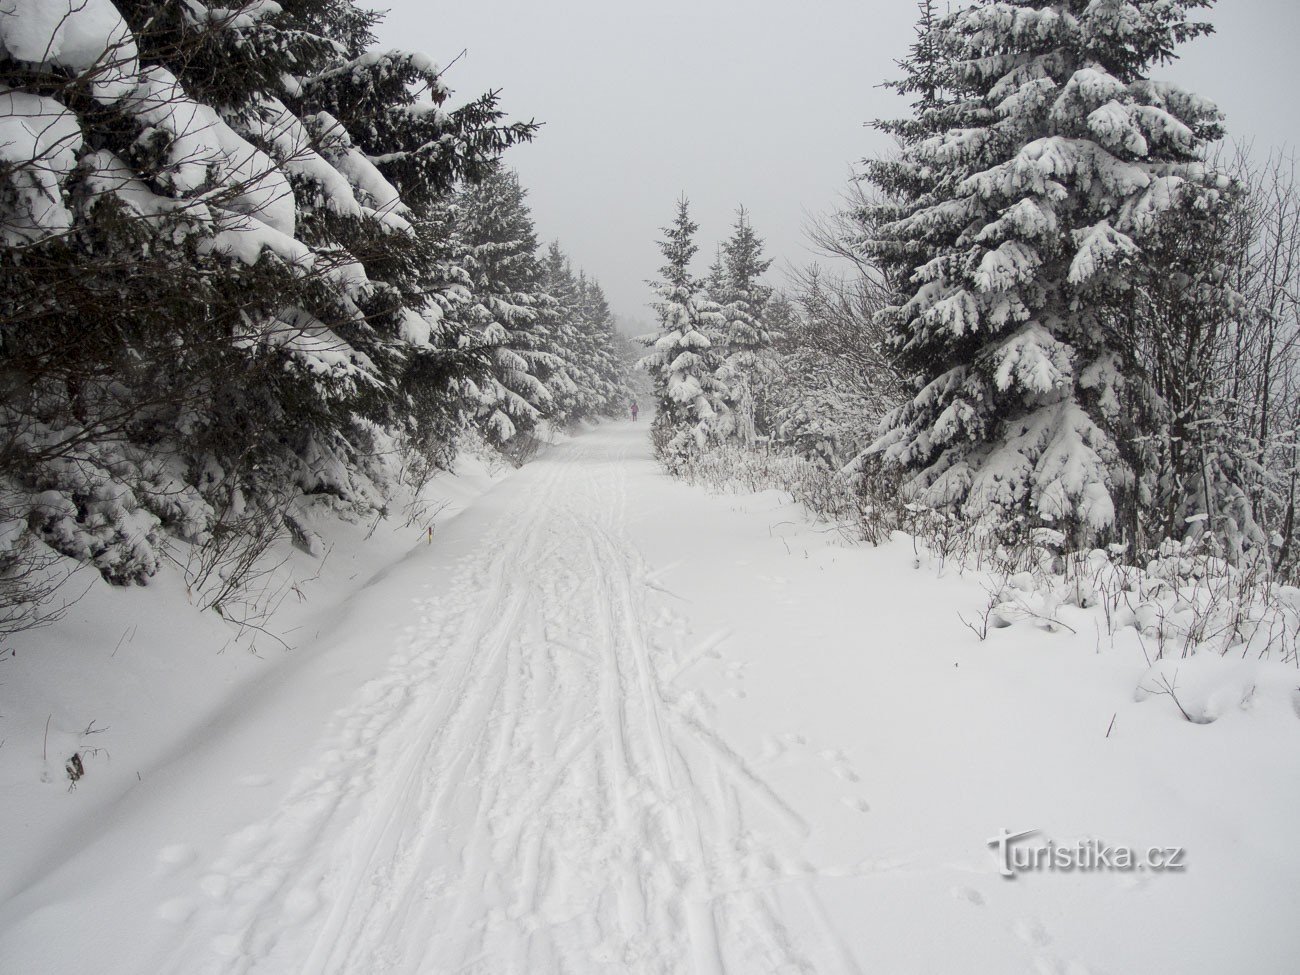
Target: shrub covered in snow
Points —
{"points": [[1182, 599]]}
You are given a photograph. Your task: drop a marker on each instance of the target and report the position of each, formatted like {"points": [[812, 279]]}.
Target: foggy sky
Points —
{"points": [[752, 102]]}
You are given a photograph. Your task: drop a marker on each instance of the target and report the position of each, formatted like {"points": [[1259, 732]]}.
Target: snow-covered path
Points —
{"points": [[607, 722], [524, 790]]}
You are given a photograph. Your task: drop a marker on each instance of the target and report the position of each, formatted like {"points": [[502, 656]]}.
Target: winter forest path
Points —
{"points": [[527, 789], [607, 722]]}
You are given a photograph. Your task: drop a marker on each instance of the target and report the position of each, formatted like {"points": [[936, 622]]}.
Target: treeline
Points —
{"points": [[1067, 307], [248, 259], [738, 360]]}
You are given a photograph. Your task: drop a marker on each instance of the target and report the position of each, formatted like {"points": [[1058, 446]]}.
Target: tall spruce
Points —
{"points": [[215, 236], [683, 363], [602, 373], [590, 379], [745, 339], [500, 324], [1040, 162]]}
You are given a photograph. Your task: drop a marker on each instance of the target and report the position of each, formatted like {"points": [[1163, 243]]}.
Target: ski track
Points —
{"points": [[527, 789]]}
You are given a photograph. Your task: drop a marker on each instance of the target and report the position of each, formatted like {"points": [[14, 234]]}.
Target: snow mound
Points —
{"points": [[82, 36]]}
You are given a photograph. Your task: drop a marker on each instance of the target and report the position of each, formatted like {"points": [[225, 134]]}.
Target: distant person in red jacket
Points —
{"points": [[635, 410]]}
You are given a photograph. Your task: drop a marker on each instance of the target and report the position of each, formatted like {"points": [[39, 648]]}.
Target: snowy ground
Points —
{"points": [[610, 723]]}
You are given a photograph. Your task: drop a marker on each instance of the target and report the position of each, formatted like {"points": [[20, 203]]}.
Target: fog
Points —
{"points": [[742, 102]]}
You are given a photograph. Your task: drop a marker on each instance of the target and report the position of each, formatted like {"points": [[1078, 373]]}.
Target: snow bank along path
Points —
{"points": [[525, 790], [608, 723]]}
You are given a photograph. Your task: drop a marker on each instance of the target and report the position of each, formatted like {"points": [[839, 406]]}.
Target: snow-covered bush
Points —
{"points": [[1182, 602], [1182, 598], [835, 375], [831, 381]]}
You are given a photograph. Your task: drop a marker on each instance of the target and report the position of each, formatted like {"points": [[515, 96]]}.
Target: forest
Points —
{"points": [[253, 266], [380, 595]]}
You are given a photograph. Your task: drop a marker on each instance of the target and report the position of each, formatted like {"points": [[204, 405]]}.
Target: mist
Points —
{"points": [[754, 103]]}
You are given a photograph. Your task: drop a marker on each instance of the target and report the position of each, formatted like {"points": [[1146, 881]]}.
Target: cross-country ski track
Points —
{"points": [[611, 723]]}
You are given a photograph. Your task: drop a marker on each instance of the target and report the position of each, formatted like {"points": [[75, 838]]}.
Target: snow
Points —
{"points": [[246, 14], [1012, 263], [249, 182], [1101, 246], [418, 328], [85, 36], [315, 348], [1038, 361], [1113, 125], [380, 194], [279, 128], [245, 239], [107, 173], [40, 139], [605, 722]]}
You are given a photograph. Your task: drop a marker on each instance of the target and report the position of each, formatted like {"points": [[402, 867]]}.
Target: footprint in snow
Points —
{"points": [[249, 838], [1050, 965], [175, 856], [215, 885], [968, 894], [226, 945], [856, 804], [1031, 932], [301, 903], [773, 748], [178, 910]]}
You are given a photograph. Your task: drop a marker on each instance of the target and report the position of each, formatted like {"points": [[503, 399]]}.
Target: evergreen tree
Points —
{"points": [[580, 329], [562, 328], [745, 341], [604, 373], [1040, 162], [505, 278], [682, 362], [715, 281], [215, 229]]}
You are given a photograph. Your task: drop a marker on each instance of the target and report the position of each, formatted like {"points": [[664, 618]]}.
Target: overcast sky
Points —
{"points": [[753, 102]]}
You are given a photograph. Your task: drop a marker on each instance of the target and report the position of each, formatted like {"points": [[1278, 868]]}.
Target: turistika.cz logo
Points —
{"points": [[1014, 856]]}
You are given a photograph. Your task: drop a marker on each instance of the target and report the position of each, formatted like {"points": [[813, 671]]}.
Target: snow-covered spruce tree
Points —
{"points": [[578, 327], [715, 278], [394, 102], [500, 326], [605, 379], [691, 400], [559, 329], [748, 367], [1040, 160], [212, 285]]}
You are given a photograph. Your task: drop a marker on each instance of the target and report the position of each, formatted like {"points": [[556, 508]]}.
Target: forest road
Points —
{"points": [[532, 786]]}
